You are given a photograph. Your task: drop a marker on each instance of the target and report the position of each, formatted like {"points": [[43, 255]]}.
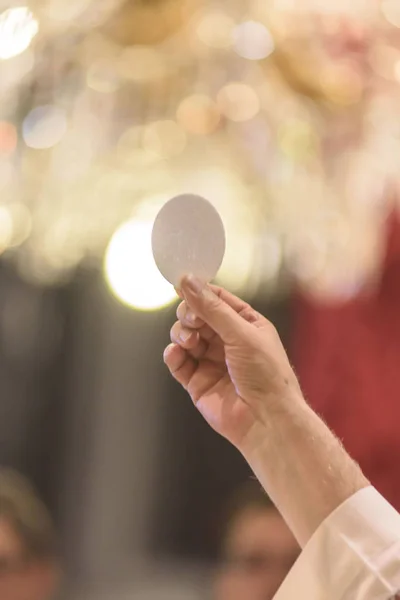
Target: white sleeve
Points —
{"points": [[354, 554]]}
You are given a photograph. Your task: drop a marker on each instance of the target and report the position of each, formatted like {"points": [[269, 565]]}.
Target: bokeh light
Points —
{"points": [[198, 114], [44, 127], [238, 101], [18, 27], [154, 97], [252, 40], [214, 29], [131, 271]]}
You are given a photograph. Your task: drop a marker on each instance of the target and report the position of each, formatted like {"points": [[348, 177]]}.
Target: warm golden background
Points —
{"points": [[285, 114], [282, 113]]}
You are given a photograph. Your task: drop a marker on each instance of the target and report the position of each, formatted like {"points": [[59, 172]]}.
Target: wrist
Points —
{"points": [[301, 465], [274, 416]]}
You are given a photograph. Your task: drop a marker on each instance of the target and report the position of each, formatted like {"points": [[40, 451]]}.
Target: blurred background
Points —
{"points": [[285, 114]]}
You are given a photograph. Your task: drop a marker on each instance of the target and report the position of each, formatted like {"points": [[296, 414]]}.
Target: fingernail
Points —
{"points": [[168, 351], [191, 317], [185, 335], [194, 284]]}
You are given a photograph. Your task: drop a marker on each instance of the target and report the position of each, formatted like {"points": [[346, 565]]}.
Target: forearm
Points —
{"points": [[302, 466]]}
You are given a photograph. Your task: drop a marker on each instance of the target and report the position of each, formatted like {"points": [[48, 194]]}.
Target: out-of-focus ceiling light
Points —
{"points": [[198, 114], [18, 27], [252, 40], [44, 127], [130, 269], [238, 102]]}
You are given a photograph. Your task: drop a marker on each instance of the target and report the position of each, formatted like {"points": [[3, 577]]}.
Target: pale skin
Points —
{"points": [[232, 363]]}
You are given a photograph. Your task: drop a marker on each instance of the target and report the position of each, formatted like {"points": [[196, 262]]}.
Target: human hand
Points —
{"points": [[230, 360]]}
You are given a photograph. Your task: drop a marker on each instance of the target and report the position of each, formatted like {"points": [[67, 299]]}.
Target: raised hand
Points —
{"points": [[230, 360]]}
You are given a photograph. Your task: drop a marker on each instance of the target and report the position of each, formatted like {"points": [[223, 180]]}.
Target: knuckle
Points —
{"points": [[249, 314]]}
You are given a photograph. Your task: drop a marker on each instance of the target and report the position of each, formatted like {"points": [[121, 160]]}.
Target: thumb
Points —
{"points": [[214, 311]]}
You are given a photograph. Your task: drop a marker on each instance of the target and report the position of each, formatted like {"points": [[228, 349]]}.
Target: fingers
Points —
{"points": [[181, 365], [189, 340], [233, 301], [187, 317], [185, 337], [190, 321], [217, 308], [243, 309]]}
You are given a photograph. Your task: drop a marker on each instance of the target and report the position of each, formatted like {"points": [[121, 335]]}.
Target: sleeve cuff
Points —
{"points": [[354, 554]]}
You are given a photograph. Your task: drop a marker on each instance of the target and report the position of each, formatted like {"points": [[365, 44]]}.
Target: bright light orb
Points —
{"points": [[44, 127], [130, 269], [198, 114], [238, 102], [252, 40], [18, 27]]}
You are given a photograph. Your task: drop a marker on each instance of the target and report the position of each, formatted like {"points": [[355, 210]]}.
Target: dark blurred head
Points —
{"points": [[257, 548], [28, 561]]}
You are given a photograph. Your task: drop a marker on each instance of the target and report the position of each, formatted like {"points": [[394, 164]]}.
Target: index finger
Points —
{"points": [[233, 301]]}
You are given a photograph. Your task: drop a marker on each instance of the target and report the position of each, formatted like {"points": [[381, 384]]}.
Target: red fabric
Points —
{"points": [[348, 361]]}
